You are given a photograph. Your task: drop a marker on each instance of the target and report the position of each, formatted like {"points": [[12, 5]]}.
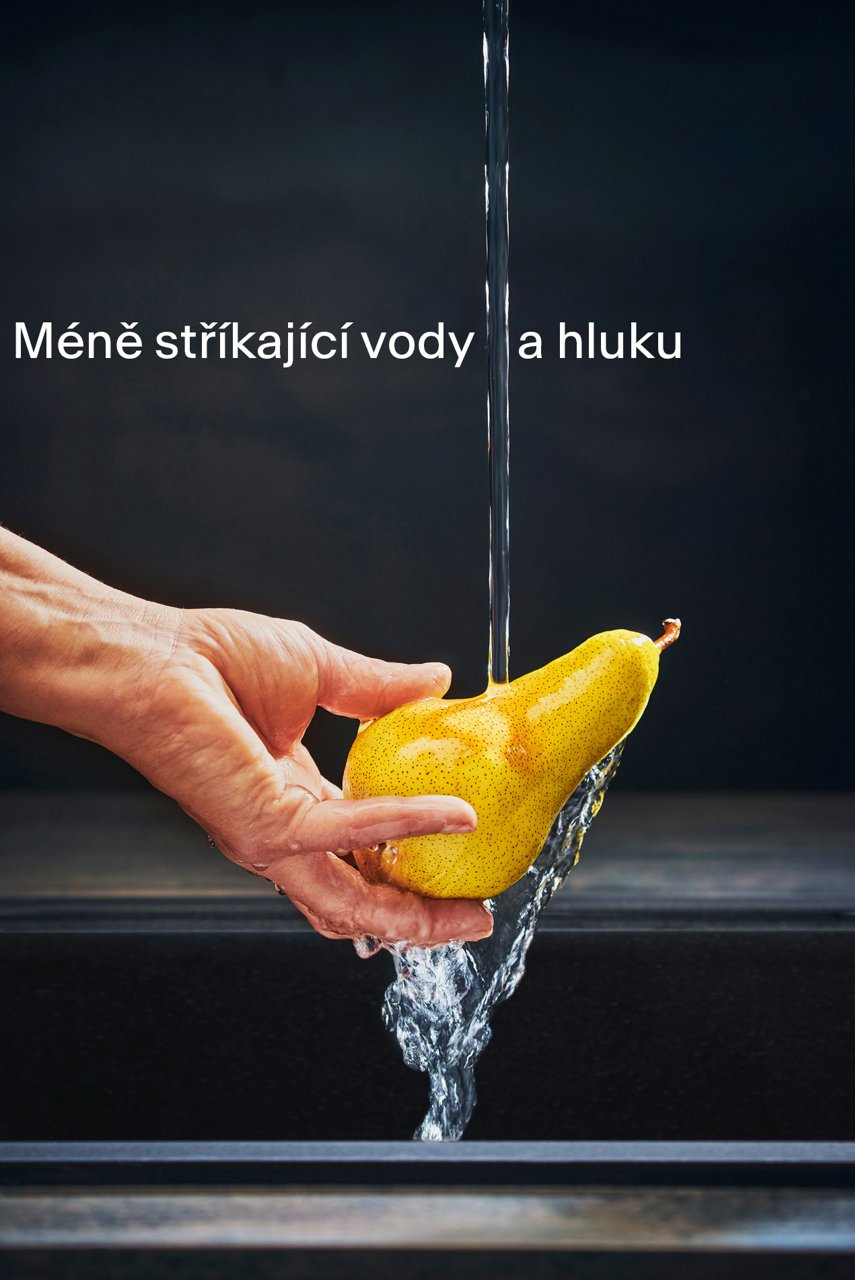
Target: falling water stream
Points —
{"points": [[440, 1003], [498, 420]]}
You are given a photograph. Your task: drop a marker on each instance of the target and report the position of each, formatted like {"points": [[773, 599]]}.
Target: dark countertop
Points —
{"points": [[777, 849]]}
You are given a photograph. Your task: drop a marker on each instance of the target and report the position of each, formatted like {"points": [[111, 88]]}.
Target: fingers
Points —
{"points": [[341, 825], [353, 685], [339, 903]]}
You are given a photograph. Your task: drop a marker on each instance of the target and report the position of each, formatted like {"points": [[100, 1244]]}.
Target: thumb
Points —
{"points": [[353, 685]]}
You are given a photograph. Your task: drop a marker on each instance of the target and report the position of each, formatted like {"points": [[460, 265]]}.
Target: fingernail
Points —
{"points": [[460, 827], [487, 926], [464, 821], [442, 677]]}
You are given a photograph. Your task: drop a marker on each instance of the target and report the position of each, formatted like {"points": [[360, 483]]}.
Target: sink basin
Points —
{"points": [[194, 1071], [169, 1023]]}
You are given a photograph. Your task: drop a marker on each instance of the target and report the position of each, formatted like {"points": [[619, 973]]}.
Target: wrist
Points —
{"points": [[75, 653], [107, 670]]}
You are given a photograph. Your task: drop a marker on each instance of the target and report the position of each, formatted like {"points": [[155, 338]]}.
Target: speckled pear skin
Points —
{"points": [[516, 754]]}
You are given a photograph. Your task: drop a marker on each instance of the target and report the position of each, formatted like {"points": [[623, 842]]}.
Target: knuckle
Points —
{"points": [[294, 808], [335, 906], [253, 855], [404, 918]]}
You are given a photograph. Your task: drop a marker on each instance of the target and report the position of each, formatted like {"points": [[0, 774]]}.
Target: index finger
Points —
{"points": [[337, 826]]}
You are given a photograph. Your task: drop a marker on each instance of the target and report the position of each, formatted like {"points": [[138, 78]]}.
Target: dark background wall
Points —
{"points": [[670, 164]]}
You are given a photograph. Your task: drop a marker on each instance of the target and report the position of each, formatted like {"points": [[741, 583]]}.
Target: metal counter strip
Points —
{"points": [[539, 1153], [537, 1219]]}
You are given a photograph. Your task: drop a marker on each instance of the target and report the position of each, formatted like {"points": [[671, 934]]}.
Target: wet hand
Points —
{"points": [[211, 706], [219, 726]]}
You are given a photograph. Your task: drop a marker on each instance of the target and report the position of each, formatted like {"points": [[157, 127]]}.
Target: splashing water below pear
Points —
{"points": [[440, 1003]]}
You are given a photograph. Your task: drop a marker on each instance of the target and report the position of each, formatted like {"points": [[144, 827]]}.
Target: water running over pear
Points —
{"points": [[440, 1004], [534, 757], [516, 754]]}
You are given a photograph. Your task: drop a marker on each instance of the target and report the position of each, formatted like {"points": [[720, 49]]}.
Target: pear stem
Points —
{"points": [[670, 634]]}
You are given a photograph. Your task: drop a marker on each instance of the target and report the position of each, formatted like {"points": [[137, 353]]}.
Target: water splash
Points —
{"points": [[441, 1001]]}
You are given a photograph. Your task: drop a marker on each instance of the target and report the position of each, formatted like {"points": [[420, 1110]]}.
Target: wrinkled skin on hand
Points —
{"points": [[218, 724]]}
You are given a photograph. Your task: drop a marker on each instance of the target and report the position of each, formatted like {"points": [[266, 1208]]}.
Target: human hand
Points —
{"points": [[211, 706], [221, 731]]}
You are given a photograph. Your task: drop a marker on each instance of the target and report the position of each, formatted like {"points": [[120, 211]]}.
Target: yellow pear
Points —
{"points": [[516, 754]]}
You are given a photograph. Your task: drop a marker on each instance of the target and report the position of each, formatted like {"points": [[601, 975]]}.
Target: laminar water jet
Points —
{"points": [[440, 1003]]}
